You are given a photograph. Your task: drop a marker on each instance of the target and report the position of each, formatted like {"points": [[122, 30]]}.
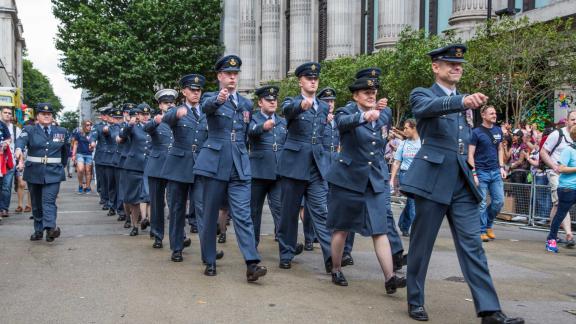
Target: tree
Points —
{"points": [[519, 64], [122, 50], [69, 120], [37, 88]]}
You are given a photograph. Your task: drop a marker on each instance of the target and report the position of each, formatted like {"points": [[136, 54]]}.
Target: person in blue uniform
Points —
{"points": [[267, 133], [98, 154], [224, 166], [359, 196], [43, 169], [161, 138], [122, 151], [189, 129], [135, 195], [441, 183], [110, 131], [101, 158], [303, 166]]}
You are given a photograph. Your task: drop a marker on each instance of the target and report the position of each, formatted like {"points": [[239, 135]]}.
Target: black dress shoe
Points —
{"points": [[127, 224], [308, 246], [134, 231], [52, 233], [177, 256], [328, 265], [347, 260], [193, 229], [105, 208], [501, 318], [417, 312], [299, 248], [187, 242], [111, 212], [394, 283], [219, 255], [254, 271], [101, 202], [222, 238], [121, 218], [339, 279], [157, 243], [285, 264], [144, 224], [37, 236], [397, 261], [210, 270]]}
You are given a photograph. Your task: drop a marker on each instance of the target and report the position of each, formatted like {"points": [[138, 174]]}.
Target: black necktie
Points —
{"points": [[195, 112], [231, 98], [46, 131]]}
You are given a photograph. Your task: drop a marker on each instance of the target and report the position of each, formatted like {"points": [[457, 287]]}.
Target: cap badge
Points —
{"points": [[459, 52], [232, 62], [373, 73], [272, 90], [370, 83], [196, 79], [313, 67], [328, 93], [45, 108]]}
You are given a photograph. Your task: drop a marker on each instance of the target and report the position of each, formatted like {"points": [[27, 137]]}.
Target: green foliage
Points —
{"points": [[69, 120], [37, 87], [122, 50], [519, 64]]}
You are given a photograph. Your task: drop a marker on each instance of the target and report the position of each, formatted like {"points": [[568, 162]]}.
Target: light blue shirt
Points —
{"points": [[568, 158], [406, 152]]}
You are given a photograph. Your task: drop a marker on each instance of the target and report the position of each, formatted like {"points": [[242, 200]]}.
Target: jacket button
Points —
{"points": [[341, 160], [369, 162], [425, 156], [373, 143], [371, 153]]}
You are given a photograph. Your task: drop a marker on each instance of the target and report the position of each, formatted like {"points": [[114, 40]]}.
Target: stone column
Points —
{"points": [[271, 55], [301, 31], [467, 15], [393, 17], [340, 28], [247, 45], [231, 35]]}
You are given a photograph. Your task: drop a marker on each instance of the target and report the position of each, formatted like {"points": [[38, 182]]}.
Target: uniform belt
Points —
{"points": [[265, 147], [446, 144], [44, 160], [234, 137], [306, 139]]}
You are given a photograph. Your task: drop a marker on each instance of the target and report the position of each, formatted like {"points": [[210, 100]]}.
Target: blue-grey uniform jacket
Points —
{"points": [[161, 139], [40, 146], [331, 141], [303, 145], [445, 135], [123, 146], [115, 131], [189, 135], [361, 159], [96, 135], [139, 146], [265, 146], [225, 147]]}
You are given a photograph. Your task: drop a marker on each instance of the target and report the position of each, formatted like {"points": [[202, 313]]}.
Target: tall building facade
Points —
{"points": [[11, 45], [273, 37]]}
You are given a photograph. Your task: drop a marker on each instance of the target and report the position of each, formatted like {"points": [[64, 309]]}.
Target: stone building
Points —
{"points": [[11, 45], [273, 37]]}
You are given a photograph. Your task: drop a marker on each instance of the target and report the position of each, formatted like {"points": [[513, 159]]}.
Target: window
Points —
{"points": [[322, 29]]}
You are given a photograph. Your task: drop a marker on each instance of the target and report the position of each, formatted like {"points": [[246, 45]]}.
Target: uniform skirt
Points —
{"points": [[134, 187], [360, 212]]}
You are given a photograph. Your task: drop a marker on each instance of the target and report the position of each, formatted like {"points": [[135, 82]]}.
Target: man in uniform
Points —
{"points": [[224, 166], [44, 169], [441, 183], [303, 167], [98, 142], [267, 133], [122, 151]]}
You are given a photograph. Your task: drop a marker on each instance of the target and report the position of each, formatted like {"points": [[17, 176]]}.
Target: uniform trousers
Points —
{"points": [[316, 191], [178, 193], [238, 193], [463, 218], [101, 185], [157, 188], [260, 189], [110, 182], [118, 172], [43, 199]]}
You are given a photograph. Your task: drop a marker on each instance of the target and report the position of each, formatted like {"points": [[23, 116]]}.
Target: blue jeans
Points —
{"points": [[566, 198], [6, 193], [543, 198], [409, 212], [490, 181]]}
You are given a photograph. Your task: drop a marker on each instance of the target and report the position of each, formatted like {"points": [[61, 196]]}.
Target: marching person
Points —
{"points": [[303, 166], [122, 151], [108, 162], [441, 183], [359, 197], [135, 196], [44, 169], [161, 137], [99, 146], [267, 133], [189, 129], [224, 166]]}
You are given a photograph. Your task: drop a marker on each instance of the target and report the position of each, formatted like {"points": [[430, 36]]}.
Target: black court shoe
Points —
{"points": [[134, 231], [222, 238], [299, 248], [347, 260], [417, 312], [127, 224], [144, 224], [339, 279], [219, 255], [111, 212], [254, 271], [394, 283], [328, 265], [308, 246], [187, 242], [121, 218], [37, 236]]}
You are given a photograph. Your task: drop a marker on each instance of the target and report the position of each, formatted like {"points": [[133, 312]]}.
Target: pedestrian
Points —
{"points": [[441, 183], [161, 138], [303, 166], [403, 158], [267, 134], [566, 191], [359, 197], [44, 169], [103, 145], [486, 157], [224, 167], [82, 156], [516, 155], [20, 183], [12, 133]]}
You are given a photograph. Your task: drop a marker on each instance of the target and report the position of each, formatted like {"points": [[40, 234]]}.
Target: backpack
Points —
{"points": [[541, 164]]}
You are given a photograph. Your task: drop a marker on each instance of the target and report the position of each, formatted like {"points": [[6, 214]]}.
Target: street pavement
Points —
{"points": [[96, 273]]}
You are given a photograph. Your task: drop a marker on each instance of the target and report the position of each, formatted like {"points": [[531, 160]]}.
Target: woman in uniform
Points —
{"points": [[359, 189]]}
